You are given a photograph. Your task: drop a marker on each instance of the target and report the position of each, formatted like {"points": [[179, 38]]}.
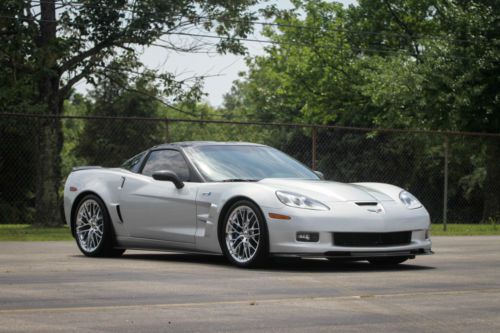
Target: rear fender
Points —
{"points": [[105, 183]]}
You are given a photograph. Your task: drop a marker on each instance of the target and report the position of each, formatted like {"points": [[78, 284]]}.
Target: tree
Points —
{"points": [[451, 84], [111, 142], [48, 46], [402, 64]]}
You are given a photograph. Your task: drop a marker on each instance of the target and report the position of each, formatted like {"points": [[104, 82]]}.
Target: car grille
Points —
{"points": [[371, 239]]}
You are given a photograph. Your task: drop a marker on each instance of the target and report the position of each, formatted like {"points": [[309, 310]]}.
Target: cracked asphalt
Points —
{"points": [[51, 287]]}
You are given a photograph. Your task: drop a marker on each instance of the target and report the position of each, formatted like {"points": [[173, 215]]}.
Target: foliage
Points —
{"points": [[307, 75], [48, 46], [108, 142], [420, 64], [400, 64], [73, 130], [17, 173]]}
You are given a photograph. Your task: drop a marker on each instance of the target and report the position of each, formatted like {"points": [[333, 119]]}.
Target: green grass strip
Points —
{"points": [[26, 232], [465, 230]]}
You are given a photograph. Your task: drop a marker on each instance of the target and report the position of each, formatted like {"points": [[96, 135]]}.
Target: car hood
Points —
{"points": [[327, 191]]}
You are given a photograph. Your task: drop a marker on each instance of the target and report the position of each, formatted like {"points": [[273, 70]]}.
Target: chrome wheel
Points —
{"points": [[242, 234], [89, 225]]}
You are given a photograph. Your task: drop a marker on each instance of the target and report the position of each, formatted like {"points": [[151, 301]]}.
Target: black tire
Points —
{"points": [[105, 247], [390, 261], [261, 254]]}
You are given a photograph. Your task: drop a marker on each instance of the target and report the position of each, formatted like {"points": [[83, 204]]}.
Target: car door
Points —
{"points": [[156, 209]]}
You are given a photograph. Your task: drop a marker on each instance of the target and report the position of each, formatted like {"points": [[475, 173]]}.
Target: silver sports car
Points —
{"points": [[246, 201]]}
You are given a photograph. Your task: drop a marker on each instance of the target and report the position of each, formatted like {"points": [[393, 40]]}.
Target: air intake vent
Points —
{"points": [[366, 203], [367, 239]]}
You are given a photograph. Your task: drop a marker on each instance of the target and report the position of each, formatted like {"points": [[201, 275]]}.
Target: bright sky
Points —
{"points": [[224, 67]]}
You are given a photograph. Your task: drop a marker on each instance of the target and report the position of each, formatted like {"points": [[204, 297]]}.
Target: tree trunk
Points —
{"points": [[50, 140], [491, 208], [48, 174]]}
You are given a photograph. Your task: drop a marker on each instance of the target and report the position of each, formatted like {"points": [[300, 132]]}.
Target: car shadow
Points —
{"points": [[279, 264]]}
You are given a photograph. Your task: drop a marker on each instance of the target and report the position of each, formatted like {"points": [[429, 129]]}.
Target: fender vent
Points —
{"points": [[119, 213]]}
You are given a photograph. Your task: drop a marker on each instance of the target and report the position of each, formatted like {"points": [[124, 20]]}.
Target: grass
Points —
{"points": [[465, 230], [26, 232]]}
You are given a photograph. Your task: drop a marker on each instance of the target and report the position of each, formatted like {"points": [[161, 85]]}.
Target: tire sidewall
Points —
{"points": [[106, 234], [262, 253]]}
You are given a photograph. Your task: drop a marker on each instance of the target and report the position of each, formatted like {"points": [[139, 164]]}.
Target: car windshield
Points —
{"points": [[246, 163]]}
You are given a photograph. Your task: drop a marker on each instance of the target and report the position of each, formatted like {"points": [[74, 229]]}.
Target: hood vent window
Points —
{"points": [[366, 203]]}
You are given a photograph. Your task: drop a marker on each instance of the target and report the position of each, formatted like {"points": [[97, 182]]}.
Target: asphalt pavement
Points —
{"points": [[51, 287]]}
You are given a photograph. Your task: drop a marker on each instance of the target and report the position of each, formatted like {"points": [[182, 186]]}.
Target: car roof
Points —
{"points": [[185, 144]]}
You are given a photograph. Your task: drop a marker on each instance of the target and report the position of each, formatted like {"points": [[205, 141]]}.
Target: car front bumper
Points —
{"points": [[348, 217]]}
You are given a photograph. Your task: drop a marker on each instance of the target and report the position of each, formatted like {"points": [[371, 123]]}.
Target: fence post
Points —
{"points": [[445, 187], [314, 139]]}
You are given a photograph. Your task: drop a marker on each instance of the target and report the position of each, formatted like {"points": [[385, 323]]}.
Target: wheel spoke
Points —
{"points": [[237, 249], [84, 233], [90, 241], [245, 251], [82, 227], [253, 248], [233, 227], [88, 213], [237, 242]]}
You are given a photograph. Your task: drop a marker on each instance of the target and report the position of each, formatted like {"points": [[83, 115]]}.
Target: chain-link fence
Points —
{"points": [[455, 175]]}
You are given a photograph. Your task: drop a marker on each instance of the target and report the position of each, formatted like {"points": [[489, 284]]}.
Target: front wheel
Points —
{"points": [[244, 238], [93, 229], [390, 261]]}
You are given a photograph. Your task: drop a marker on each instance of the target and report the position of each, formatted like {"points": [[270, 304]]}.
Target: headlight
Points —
{"points": [[300, 201], [409, 200]]}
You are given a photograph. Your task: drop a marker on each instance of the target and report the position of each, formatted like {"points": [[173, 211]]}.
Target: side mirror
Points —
{"points": [[169, 176], [319, 174]]}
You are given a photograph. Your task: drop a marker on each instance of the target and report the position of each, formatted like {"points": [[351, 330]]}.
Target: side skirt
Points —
{"points": [[134, 243]]}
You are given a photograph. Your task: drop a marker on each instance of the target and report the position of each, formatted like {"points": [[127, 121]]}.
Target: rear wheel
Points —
{"points": [[93, 229], [244, 238], [390, 261]]}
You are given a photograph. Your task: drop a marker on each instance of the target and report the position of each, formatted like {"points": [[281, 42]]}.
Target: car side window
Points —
{"points": [[167, 160], [132, 164]]}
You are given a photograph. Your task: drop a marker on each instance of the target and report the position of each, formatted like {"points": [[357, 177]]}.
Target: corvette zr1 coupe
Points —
{"points": [[247, 201]]}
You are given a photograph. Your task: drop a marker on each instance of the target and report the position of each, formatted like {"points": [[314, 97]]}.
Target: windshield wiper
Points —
{"points": [[240, 180]]}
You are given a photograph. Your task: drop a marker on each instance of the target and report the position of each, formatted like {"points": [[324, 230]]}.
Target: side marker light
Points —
{"points": [[279, 216]]}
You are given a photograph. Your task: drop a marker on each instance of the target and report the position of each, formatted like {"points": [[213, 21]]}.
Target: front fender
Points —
{"points": [[212, 201]]}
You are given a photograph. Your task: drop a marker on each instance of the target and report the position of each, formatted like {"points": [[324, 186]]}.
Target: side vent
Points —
{"points": [[119, 213], [366, 203]]}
